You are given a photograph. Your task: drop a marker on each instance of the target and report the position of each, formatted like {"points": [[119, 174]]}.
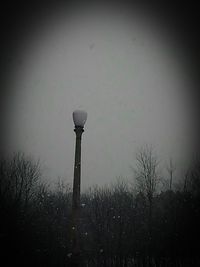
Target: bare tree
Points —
{"points": [[146, 172], [19, 177], [147, 179]]}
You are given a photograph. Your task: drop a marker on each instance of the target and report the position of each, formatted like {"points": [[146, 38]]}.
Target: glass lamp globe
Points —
{"points": [[79, 118]]}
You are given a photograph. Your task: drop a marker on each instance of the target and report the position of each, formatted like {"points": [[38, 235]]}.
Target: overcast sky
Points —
{"points": [[125, 71]]}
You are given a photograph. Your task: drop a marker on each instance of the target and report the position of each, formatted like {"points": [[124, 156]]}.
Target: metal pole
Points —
{"points": [[76, 199]]}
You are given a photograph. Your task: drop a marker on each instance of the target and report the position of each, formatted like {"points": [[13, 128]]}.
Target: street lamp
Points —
{"points": [[79, 118]]}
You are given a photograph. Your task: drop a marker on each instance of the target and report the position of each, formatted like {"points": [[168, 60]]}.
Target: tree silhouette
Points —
{"points": [[119, 226], [147, 179]]}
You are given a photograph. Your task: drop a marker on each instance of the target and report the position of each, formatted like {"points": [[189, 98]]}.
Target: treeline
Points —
{"points": [[120, 225]]}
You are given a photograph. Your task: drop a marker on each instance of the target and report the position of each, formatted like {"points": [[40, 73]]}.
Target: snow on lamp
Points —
{"points": [[79, 118]]}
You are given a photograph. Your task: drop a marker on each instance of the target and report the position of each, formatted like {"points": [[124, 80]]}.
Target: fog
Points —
{"points": [[125, 70]]}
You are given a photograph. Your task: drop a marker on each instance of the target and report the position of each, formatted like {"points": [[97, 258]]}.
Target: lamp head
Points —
{"points": [[79, 118]]}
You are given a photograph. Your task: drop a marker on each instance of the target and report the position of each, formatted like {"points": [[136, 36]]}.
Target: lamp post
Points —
{"points": [[79, 118]]}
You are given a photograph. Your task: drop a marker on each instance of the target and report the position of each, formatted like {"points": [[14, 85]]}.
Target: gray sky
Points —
{"points": [[124, 71]]}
